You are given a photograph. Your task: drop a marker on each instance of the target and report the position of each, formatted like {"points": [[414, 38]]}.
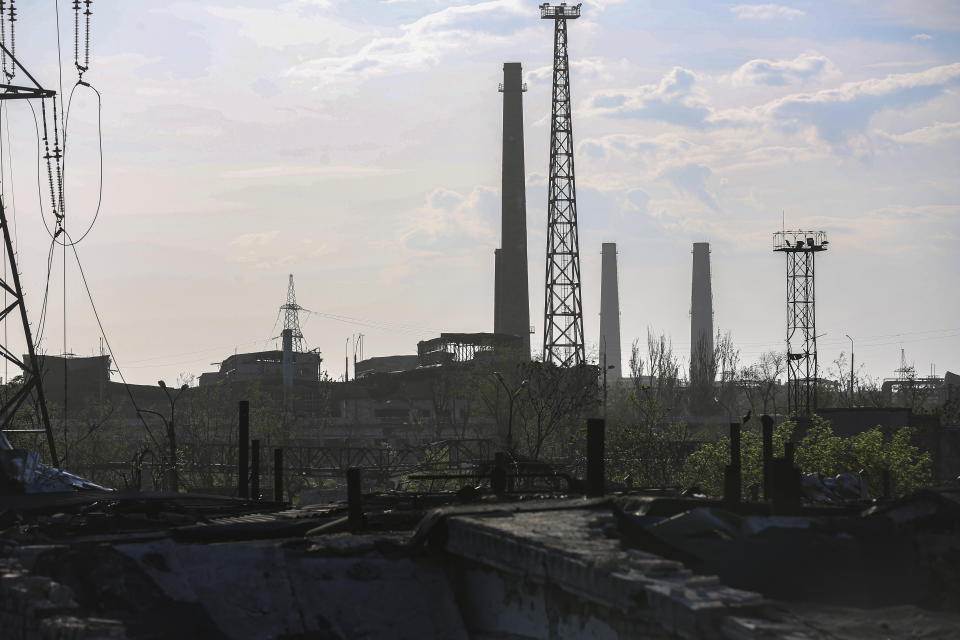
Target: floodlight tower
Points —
{"points": [[801, 247], [563, 311]]}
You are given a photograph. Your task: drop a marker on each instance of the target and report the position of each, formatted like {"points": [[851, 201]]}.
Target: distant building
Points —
{"points": [[265, 366]]}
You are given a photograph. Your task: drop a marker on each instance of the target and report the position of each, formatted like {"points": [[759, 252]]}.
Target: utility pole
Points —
{"points": [[851, 370], [563, 311], [173, 480]]}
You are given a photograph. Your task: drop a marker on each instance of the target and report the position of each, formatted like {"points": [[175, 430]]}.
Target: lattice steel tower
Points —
{"points": [[563, 312], [291, 318], [801, 247], [32, 386]]}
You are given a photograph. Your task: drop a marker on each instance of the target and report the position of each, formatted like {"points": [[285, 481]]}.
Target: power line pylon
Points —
{"points": [[563, 311], [801, 247], [291, 318], [32, 379]]}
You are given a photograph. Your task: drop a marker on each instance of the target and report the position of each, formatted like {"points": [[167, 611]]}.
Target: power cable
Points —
{"points": [[96, 314], [96, 214]]}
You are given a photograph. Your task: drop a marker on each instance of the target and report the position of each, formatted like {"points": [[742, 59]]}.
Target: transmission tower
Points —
{"points": [[563, 312], [801, 247], [291, 318], [32, 381]]}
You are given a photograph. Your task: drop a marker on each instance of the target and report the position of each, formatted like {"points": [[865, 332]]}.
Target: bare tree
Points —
{"points": [[761, 382]]}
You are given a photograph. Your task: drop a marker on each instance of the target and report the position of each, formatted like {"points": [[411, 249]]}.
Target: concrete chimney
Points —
{"points": [[512, 304], [497, 290], [701, 316], [287, 359], [610, 313]]}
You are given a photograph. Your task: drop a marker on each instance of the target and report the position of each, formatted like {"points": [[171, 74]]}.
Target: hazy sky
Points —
{"points": [[356, 144]]}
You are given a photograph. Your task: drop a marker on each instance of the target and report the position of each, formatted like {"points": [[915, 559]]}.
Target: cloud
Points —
{"points": [[765, 12], [268, 250], [781, 72], [692, 179], [921, 36], [451, 220], [421, 43], [584, 66], [289, 24], [933, 134], [835, 115], [674, 100]]}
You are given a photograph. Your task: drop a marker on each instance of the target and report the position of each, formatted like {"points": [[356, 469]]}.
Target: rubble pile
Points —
{"points": [[95, 563]]}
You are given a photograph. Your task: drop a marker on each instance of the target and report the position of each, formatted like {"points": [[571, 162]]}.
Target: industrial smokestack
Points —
{"points": [[497, 290], [702, 367], [512, 304], [610, 313], [287, 359]]}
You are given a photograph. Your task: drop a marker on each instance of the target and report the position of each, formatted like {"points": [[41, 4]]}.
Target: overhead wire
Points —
{"points": [[103, 333]]}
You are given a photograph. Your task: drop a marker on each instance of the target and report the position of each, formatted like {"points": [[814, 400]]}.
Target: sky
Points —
{"points": [[356, 145]]}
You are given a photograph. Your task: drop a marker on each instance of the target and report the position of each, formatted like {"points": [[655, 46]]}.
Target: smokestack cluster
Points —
{"points": [[512, 297]]}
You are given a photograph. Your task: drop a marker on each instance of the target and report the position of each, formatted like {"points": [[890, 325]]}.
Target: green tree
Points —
{"points": [[820, 450]]}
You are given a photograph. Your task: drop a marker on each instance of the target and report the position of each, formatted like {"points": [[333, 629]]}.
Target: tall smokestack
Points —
{"points": [[512, 304], [702, 368], [497, 290], [610, 313]]}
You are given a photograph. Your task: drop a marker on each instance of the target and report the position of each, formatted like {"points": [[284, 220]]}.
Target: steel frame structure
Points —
{"points": [[291, 317], [563, 311], [800, 248], [32, 379]]}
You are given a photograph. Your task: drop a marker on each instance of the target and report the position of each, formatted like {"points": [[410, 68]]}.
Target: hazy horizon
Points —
{"points": [[356, 145]]}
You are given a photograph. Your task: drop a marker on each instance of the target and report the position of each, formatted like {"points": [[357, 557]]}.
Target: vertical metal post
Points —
{"points": [[498, 477], [732, 474], [789, 452], [355, 498], [255, 469], [278, 475], [595, 467], [767, 427], [243, 445]]}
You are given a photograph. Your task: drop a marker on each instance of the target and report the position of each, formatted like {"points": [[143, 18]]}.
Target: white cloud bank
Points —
{"points": [[766, 12], [782, 72]]}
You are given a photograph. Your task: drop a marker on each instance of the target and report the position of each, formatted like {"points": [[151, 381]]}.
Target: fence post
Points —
{"points": [[355, 498], [767, 423], [732, 473], [596, 479], [278, 475], [255, 469], [243, 440]]}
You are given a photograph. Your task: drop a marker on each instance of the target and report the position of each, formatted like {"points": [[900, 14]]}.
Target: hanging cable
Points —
{"points": [[106, 341], [99, 148]]}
